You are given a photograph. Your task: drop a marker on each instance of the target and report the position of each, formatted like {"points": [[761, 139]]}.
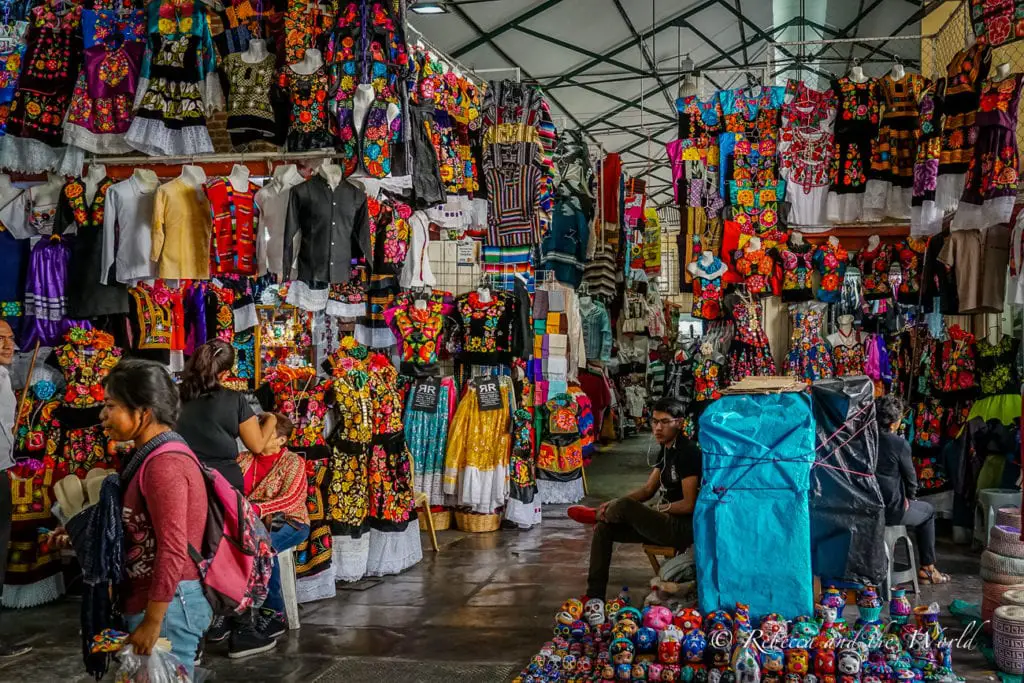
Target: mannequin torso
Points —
{"points": [[92, 179], [239, 178], [330, 172], [312, 61], [256, 53], [7, 190], [146, 179], [193, 175], [897, 72], [857, 75]]}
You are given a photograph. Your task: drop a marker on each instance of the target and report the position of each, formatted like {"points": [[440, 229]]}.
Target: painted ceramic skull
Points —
{"points": [[646, 640], [578, 629], [612, 607], [593, 611], [626, 628], [849, 661], [657, 617], [669, 651], [573, 607], [569, 664], [585, 665], [688, 619], [694, 645]]}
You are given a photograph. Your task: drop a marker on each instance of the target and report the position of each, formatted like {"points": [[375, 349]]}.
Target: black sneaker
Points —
{"points": [[246, 641], [11, 651], [271, 623], [219, 629]]}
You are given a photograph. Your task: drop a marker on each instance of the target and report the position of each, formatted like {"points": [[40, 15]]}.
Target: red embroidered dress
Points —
{"points": [[233, 239], [874, 267]]}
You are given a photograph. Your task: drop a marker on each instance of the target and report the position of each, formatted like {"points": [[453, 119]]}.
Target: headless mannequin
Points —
{"points": [[330, 172], [846, 336], [1002, 71], [285, 172], [48, 192], [256, 52], [702, 266], [897, 72], [193, 175], [239, 178], [796, 239], [873, 242], [688, 87], [753, 245], [146, 179], [485, 294], [585, 303], [995, 335], [311, 61], [857, 74], [834, 242], [92, 180]]}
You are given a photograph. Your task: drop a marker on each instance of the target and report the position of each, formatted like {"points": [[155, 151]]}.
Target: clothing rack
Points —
{"points": [[441, 54], [219, 158]]}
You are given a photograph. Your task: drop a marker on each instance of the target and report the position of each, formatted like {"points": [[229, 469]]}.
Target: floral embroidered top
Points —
{"points": [[874, 267], [153, 314], [797, 263], [348, 367], [699, 119], [38, 435], [86, 359], [304, 399], [999, 366], [707, 289], [420, 327], [910, 254], [998, 103], [233, 239], [953, 368], [830, 260], [483, 330], [858, 105], [753, 110], [308, 128], [849, 354], [964, 75], [390, 238], [707, 382], [756, 267]]}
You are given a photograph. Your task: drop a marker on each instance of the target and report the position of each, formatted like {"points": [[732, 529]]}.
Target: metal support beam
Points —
{"points": [[755, 28], [615, 98], [866, 46], [487, 36], [651, 64], [666, 24], [916, 16], [581, 50], [743, 33]]}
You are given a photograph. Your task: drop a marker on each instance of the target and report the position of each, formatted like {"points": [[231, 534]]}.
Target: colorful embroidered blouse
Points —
{"points": [[953, 368], [305, 402], [707, 382], [86, 359], [910, 254], [831, 264], [797, 263], [998, 366], [964, 75], [874, 267], [233, 239], [421, 331], [483, 329], [849, 359], [756, 267], [308, 129], [153, 315], [348, 367], [707, 289]]}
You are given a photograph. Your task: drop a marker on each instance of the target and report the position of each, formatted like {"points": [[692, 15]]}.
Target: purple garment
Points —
{"points": [[45, 294], [195, 317], [126, 59]]}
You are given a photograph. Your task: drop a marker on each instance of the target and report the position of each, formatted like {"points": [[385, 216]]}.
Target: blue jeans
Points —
{"points": [[282, 539], [188, 616]]}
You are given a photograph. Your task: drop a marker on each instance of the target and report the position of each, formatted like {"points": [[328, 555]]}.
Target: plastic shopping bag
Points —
{"points": [[159, 667]]}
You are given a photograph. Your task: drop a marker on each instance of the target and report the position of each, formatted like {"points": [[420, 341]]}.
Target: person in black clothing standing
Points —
{"points": [[676, 477], [898, 482]]}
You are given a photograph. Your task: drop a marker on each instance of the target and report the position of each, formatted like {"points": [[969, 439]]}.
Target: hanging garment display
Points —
{"points": [[874, 266], [233, 242], [830, 261], [806, 147], [560, 455], [483, 328], [855, 129], [749, 353], [476, 463], [523, 504], [757, 267], [891, 175], [810, 357], [128, 232], [181, 231], [427, 435], [707, 287], [849, 355], [965, 74], [910, 254], [273, 202], [925, 211], [308, 118], [418, 322], [990, 186], [45, 293], [250, 109], [999, 366], [797, 261]]}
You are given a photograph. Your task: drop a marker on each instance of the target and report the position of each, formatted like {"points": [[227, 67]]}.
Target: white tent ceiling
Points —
{"points": [[611, 67]]}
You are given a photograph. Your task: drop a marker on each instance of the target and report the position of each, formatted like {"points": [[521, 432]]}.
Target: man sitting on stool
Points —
{"points": [[676, 476]]}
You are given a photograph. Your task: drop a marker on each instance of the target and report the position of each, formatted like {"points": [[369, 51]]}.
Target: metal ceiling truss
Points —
{"points": [[651, 64]]}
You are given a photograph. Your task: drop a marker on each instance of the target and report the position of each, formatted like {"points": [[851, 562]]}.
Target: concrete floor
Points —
{"points": [[476, 611]]}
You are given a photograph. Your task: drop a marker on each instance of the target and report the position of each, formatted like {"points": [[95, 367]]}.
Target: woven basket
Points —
{"points": [[442, 520], [1013, 596], [996, 565], [1005, 541], [1008, 516], [477, 524], [1008, 638]]}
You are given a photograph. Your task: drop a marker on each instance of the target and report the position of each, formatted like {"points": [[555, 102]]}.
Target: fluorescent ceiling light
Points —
{"points": [[430, 8]]}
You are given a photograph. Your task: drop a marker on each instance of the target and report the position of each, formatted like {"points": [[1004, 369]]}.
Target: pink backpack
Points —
{"points": [[236, 559]]}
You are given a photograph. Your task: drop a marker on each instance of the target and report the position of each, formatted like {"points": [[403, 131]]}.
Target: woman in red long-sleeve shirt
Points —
{"points": [[165, 508]]}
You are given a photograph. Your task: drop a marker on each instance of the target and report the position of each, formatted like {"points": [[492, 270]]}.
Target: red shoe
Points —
{"points": [[582, 514]]}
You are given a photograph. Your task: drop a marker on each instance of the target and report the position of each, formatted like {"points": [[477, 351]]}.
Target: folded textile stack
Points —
{"points": [[1002, 562]]}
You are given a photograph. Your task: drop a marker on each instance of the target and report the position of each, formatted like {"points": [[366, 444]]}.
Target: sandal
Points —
{"points": [[935, 577]]}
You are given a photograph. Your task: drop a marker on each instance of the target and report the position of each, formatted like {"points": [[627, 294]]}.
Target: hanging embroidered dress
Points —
{"points": [[33, 141], [893, 152], [999, 366], [251, 114], [757, 268], [308, 118], [856, 126], [695, 159], [11, 60], [849, 355], [707, 378], [910, 254], [925, 212], [964, 77], [810, 357], [749, 353], [419, 325], [427, 435], [806, 147], [45, 293], [990, 186], [830, 260], [874, 267], [523, 505], [104, 96]]}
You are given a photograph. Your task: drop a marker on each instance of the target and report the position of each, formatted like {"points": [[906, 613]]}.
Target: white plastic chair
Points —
{"points": [[286, 560]]}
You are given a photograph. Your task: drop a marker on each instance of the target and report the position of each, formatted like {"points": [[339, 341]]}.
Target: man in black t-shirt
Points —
{"points": [[675, 477]]}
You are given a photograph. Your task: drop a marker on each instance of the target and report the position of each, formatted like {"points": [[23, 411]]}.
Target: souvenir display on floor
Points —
{"points": [[596, 640]]}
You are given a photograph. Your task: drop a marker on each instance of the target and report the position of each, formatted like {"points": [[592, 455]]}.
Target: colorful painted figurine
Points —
{"points": [[745, 664], [848, 664], [717, 620], [835, 598], [621, 651], [655, 671], [670, 645], [688, 619], [623, 672], [593, 611], [694, 644], [646, 641], [798, 661], [657, 617], [639, 671], [900, 608], [772, 664], [825, 665]]}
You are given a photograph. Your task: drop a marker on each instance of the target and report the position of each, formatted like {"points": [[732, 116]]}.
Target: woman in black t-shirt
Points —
{"points": [[212, 417]]}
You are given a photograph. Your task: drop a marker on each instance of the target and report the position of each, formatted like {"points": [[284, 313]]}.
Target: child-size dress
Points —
{"points": [[101, 109], [810, 357], [891, 175], [849, 354], [308, 127], [856, 126], [910, 255], [806, 148], [797, 261], [707, 290], [925, 212], [990, 187], [964, 76], [757, 268], [874, 267], [830, 261], [749, 353]]}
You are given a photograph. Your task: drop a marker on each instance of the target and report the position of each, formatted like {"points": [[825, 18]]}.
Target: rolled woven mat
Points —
{"points": [[1005, 541], [992, 596], [1014, 596], [1008, 516], [1008, 638], [999, 568]]}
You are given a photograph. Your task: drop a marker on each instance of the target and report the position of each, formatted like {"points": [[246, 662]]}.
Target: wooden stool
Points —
{"points": [[655, 551]]}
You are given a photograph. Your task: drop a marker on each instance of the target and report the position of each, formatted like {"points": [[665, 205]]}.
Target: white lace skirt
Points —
{"points": [[33, 156], [33, 594], [525, 515], [980, 216], [317, 587], [392, 552], [152, 137], [349, 557], [845, 208], [948, 190], [560, 492]]}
